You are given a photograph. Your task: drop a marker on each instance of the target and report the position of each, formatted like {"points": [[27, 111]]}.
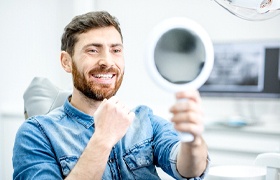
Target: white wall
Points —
{"points": [[30, 46]]}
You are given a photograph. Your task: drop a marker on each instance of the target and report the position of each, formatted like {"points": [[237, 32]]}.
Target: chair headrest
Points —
{"points": [[42, 96]]}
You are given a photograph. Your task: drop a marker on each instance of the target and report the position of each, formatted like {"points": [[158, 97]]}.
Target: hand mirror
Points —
{"points": [[180, 57]]}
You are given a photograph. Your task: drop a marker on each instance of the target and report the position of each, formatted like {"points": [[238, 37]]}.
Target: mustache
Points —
{"points": [[104, 70]]}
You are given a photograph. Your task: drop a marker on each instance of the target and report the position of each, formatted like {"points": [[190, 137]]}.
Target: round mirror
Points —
{"points": [[180, 57]]}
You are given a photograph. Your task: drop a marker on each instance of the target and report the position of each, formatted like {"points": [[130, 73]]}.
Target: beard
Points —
{"points": [[96, 91]]}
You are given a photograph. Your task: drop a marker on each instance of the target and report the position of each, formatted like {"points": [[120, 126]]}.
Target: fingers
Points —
{"points": [[112, 120], [114, 101], [187, 114], [188, 122], [187, 101], [189, 128], [187, 105], [189, 117], [120, 106], [192, 95]]}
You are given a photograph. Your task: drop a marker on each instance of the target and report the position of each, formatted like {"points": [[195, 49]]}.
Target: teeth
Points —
{"points": [[103, 76]]}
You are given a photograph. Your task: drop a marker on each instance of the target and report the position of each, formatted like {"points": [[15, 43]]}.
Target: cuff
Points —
{"points": [[173, 161]]}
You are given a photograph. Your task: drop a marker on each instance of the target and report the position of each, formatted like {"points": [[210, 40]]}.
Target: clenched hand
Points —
{"points": [[112, 120]]}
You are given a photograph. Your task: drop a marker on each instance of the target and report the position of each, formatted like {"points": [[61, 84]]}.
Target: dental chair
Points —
{"points": [[42, 96], [272, 163], [266, 167]]}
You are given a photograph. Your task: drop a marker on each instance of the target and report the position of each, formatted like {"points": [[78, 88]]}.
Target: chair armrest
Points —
{"points": [[268, 160]]}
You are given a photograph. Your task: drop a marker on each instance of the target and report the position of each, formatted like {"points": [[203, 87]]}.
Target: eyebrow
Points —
{"points": [[100, 45]]}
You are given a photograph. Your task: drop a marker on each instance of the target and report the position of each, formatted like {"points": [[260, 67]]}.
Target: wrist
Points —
{"points": [[101, 142], [198, 141]]}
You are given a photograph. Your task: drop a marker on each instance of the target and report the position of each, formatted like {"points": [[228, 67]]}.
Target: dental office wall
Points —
{"points": [[30, 46]]}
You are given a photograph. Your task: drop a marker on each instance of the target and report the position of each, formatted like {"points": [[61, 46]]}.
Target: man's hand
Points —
{"points": [[187, 115], [112, 119]]}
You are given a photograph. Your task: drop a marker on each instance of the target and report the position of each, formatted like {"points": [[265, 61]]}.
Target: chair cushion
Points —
{"points": [[42, 96]]}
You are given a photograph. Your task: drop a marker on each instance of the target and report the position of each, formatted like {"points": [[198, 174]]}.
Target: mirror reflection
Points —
{"points": [[179, 56]]}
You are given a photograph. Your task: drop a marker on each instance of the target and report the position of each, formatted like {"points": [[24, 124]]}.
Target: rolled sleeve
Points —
{"points": [[173, 161]]}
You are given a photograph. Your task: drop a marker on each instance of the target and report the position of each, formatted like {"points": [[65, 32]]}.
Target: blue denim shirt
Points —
{"points": [[49, 146]]}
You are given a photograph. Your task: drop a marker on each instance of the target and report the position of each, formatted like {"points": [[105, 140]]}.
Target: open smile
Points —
{"points": [[104, 76], [108, 78]]}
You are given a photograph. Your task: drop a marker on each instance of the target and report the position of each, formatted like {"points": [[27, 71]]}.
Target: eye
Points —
{"points": [[117, 50], [92, 51]]}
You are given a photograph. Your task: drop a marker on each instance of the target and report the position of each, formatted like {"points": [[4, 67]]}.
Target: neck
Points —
{"points": [[83, 103]]}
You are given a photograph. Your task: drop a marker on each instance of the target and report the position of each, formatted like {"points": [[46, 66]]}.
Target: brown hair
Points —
{"points": [[83, 23]]}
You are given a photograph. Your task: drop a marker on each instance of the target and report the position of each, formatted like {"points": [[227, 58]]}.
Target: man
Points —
{"points": [[94, 135]]}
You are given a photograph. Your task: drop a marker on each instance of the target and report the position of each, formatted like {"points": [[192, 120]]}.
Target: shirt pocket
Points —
{"points": [[67, 164], [139, 161]]}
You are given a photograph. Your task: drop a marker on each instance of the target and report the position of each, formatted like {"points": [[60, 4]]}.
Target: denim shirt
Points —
{"points": [[49, 146]]}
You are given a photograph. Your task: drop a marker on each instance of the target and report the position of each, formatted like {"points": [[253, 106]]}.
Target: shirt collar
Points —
{"points": [[77, 115]]}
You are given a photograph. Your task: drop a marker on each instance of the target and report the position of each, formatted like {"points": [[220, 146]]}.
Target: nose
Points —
{"points": [[106, 60]]}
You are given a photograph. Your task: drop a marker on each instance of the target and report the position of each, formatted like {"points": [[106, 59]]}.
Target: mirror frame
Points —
{"points": [[195, 29]]}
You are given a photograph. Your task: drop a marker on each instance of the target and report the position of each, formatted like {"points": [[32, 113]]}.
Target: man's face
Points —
{"points": [[98, 63]]}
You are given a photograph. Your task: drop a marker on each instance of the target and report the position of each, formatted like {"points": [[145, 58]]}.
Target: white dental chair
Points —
{"points": [[272, 163], [42, 96], [267, 167]]}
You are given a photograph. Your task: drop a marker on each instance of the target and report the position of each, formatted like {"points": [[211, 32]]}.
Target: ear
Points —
{"points": [[66, 61]]}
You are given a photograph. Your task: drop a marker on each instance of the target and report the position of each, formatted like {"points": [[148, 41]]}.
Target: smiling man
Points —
{"points": [[94, 135]]}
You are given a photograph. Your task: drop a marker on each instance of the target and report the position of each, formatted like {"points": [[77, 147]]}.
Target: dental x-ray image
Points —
{"points": [[237, 67]]}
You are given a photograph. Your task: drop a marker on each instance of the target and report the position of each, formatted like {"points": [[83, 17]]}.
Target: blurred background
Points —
{"points": [[30, 46]]}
